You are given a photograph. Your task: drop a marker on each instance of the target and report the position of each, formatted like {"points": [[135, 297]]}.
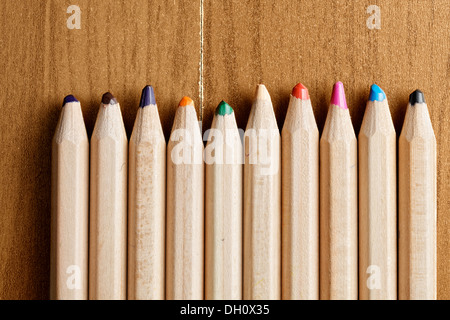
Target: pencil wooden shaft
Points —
{"points": [[262, 206], [108, 203], [300, 203], [185, 216], [223, 211], [146, 207], [338, 208], [70, 201], [377, 205], [417, 206]]}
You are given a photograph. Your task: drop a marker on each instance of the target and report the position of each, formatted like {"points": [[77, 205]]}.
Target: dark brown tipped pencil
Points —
{"points": [[108, 204]]}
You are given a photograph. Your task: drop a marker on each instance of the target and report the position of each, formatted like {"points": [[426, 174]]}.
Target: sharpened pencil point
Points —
{"points": [[69, 98], [223, 108], [108, 98], [147, 97], [416, 97], [338, 96], [300, 92], [262, 93], [185, 102], [376, 93]]}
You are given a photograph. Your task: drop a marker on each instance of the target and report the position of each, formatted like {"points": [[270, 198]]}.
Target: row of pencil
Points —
{"points": [[270, 217]]}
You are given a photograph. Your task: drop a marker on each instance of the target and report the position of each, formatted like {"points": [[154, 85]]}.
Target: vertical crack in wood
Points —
{"points": [[200, 81]]}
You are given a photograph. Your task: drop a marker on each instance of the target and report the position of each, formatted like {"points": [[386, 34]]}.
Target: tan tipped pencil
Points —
{"points": [[377, 201], [108, 203], [146, 203], [70, 204], [338, 203], [223, 208], [185, 201], [300, 199], [262, 202], [417, 203]]}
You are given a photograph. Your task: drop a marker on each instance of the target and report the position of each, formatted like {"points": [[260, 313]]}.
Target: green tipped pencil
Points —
{"points": [[223, 205]]}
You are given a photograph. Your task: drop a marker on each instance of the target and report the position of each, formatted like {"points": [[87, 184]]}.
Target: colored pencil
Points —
{"points": [[300, 199], [108, 204], [377, 201], [70, 204], [223, 208], [262, 202], [185, 216], [146, 203], [338, 203], [417, 203]]}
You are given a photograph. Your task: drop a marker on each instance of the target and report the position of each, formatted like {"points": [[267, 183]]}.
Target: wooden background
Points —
{"points": [[210, 50]]}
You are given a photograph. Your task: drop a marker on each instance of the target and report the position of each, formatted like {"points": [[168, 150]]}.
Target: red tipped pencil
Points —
{"points": [[300, 199]]}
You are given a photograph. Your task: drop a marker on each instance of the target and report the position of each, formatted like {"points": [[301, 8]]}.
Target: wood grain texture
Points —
{"points": [[146, 207], [158, 42], [338, 208], [284, 42], [223, 210], [108, 206], [377, 152], [300, 203], [262, 202], [185, 204], [121, 46], [417, 206]]}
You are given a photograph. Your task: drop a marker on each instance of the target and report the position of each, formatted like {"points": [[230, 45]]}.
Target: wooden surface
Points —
{"points": [[338, 208], [70, 207], [184, 205], [262, 202], [146, 207], [223, 210], [377, 219], [300, 203], [123, 45], [417, 206], [108, 206]]}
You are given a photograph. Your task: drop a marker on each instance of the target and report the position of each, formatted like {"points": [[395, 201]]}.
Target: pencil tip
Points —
{"points": [[223, 108], [262, 93], [416, 97], [376, 93], [300, 92], [108, 98], [338, 96], [147, 97], [185, 102], [69, 98]]}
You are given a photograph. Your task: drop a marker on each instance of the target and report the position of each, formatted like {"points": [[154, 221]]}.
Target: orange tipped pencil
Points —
{"points": [[146, 203], [108, 204], [262, 202], [300, 199], [185, 218], [417, 203], [70, 205], [338, 203]]}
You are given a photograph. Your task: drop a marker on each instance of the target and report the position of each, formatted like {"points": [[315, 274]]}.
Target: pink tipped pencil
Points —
{"points": [[338, 203]]}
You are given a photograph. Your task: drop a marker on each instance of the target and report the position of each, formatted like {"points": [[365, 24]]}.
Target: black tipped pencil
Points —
{"points": [[417, 203]]}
